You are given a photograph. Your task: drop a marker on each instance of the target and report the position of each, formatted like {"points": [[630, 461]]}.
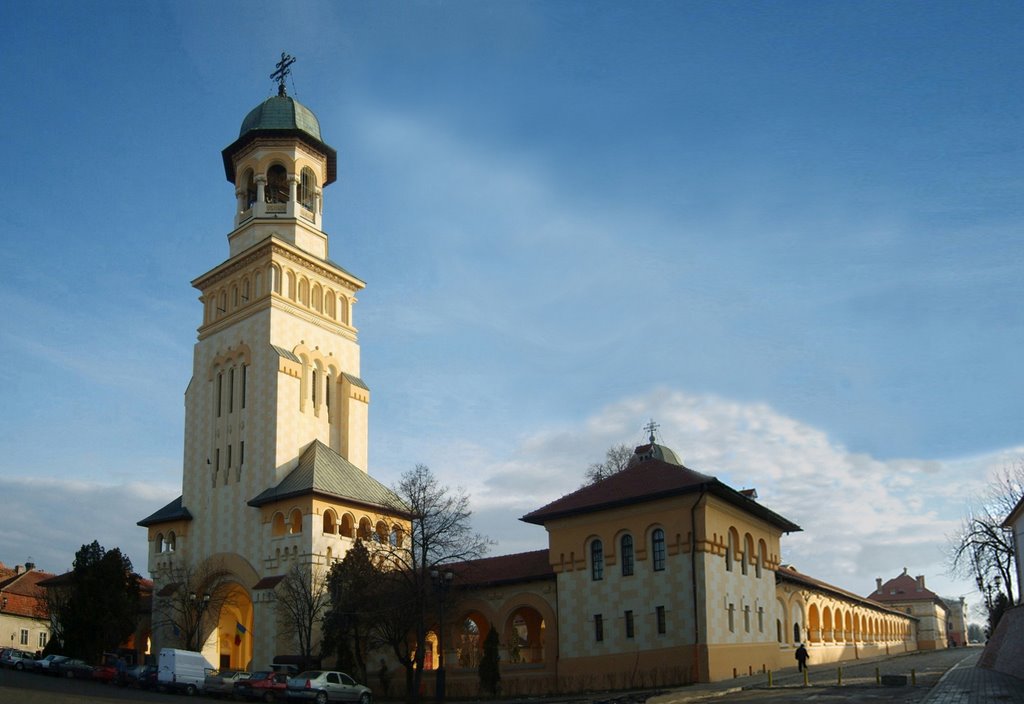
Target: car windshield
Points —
{"points": [[260, 675]]}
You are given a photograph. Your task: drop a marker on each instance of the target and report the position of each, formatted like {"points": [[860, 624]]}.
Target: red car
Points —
{"points": [[104, 673], [266, 685]]}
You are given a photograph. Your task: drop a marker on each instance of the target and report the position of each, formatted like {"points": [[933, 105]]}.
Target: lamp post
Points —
{"points": [[199, 604], [442, 580]]}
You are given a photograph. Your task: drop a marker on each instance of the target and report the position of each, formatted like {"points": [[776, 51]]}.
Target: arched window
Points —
{"points": [[277, 526], [249, 184], [730, 548], [658, 549], [626, 549], [158, 544], [330, 525], [365, 528], [171, 541], [277, 184], [295, 522], [307, 189], [348, 526], [596, 560]]}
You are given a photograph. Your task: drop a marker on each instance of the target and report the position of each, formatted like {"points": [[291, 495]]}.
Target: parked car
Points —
{"points": [[142, 676], [48, 664], [74, 668], [221, 683], [326, 686], [105, 673], [266, 685], [17, 659]]}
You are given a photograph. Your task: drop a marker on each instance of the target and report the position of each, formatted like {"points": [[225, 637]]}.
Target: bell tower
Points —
{"points": [[276, 415]]}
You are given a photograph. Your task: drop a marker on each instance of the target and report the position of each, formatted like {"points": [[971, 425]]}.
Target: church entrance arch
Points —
{"points": [[233, 634]]}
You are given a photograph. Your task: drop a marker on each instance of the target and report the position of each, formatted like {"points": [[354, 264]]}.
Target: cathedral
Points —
{"points": [[655, 576]]}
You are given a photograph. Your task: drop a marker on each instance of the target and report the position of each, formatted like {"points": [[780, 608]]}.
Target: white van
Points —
{"points": [[182, 670]]}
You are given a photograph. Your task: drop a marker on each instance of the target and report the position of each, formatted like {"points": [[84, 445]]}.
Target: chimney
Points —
{"points": [[878, 584], [920, 582], [18, 569], [29, 566]]}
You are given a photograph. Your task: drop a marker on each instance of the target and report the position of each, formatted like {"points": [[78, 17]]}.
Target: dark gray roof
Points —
{"points": [[173, 511], [323, 471], [355, 381], [343, 270], [281, 351]]}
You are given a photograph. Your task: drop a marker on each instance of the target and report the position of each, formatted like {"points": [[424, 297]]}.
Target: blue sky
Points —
{"points": [[789, 232]]}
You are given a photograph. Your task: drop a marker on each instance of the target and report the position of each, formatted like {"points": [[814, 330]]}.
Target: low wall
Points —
{"points": [[1004, 651]]}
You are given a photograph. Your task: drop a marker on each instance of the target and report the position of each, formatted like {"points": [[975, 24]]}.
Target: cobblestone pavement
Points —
{"points": [[967, 684]]}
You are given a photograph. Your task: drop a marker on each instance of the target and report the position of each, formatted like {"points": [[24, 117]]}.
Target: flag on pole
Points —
{"points": [[240, 628]]}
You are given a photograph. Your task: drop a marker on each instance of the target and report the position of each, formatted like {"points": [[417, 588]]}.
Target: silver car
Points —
{"points": [[221, 683], [322, 686]]}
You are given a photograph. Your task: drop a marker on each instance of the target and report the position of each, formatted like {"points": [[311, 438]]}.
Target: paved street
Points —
{"points": [[943, 677]]}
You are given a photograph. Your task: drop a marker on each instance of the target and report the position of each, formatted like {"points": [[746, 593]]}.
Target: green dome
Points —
{"points": [[282, 112], [280, 116]]}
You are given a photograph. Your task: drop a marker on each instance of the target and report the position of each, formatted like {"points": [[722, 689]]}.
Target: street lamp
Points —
{"points": [[442, 580], [199, 604]]}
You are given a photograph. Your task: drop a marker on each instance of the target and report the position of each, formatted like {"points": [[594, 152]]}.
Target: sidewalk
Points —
{"points": [[953, 679], [966, 684]]}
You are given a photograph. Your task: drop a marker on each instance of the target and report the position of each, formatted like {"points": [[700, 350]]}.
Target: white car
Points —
{"points": [[48, 665], [322, 686]]}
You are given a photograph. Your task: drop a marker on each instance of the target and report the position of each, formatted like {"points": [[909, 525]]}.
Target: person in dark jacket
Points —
{"points": [[801, 658]]}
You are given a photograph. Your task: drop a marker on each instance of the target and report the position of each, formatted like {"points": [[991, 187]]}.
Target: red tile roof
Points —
{"points": [[504, 569], [902, 589], [648, 481], [21, 594]]}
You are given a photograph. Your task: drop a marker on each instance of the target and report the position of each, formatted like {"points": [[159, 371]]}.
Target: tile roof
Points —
{"points": [[906, 588], [649, 480], [173, 511], [21, 594], [323, 471], [504, 569], [787, 573]]}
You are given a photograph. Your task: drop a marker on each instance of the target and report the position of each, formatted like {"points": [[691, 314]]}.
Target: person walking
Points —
{"points": [[801, 658]]}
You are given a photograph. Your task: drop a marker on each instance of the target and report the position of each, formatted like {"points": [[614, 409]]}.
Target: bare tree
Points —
{"points": [[192, 596], [302, 599], [440, 535], [982, 550], [616, 459]]}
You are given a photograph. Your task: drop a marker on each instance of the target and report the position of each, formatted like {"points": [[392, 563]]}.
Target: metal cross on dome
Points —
{"points": [[282, 72], [650, 428]]}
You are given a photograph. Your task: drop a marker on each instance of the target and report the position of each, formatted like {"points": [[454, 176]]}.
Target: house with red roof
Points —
{"points": [[909, 594], [24, 620]]}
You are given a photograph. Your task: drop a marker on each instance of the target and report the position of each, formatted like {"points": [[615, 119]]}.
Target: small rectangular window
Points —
{"points": [[760, 619], [746, 619], [42, 639], [24, 636], [659, 612], [216, 460], [231, 392], [241, 453], [229, 456], [245, 373], [629, 624], [732, 621], [314, 389], [598, 627], [220, 391], [327, 396]]}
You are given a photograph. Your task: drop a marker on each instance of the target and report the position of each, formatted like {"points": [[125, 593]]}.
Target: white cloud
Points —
{"points": [[47, 520]]}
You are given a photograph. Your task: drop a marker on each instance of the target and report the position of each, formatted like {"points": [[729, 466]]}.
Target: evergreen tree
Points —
{"points": [[102, 605], [490, 673]]}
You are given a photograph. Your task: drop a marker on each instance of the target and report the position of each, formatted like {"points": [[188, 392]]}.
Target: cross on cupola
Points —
{"points": [[282, 72], [650, 428]]}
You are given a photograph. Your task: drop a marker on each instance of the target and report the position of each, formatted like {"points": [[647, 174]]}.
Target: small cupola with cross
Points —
{"points": [[279, 165]]}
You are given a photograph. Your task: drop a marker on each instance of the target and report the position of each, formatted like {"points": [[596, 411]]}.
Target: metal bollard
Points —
{"points": [[878, 677], [839, 676], [913, 677], [805, 677], [769, 678]]}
